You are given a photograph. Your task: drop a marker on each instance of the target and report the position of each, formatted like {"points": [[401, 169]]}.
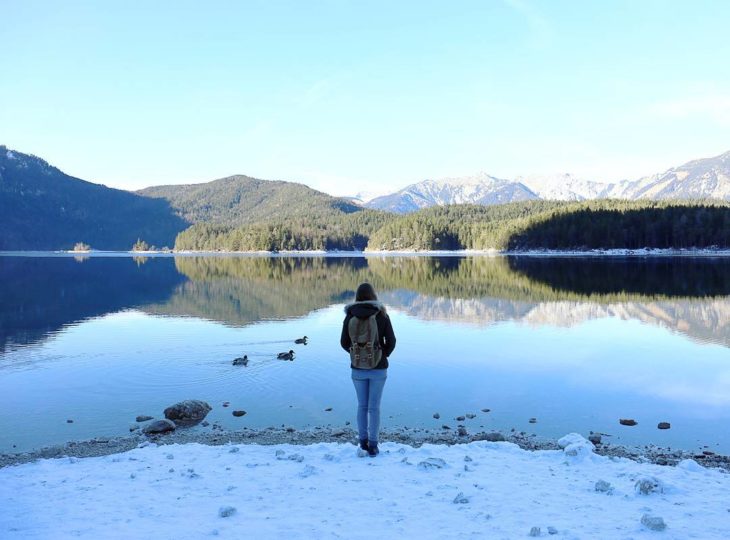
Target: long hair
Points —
{"points": [[365, 292]]}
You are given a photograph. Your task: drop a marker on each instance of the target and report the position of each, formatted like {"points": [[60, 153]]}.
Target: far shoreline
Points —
{"points": [[547, 253]]}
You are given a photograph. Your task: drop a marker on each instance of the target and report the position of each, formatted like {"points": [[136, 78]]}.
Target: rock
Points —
{"points": [[328, 409], [445, 427], [188, 412], [238, 413], [552, 530], [663, 425], [142, 418], [234, 450], [226, 511], [492, 437], [295, 457], [462, 431], [338, 433], [461, 499], [533, 420], [471, 416], [436, 415], [290, 430], [486, 410], [159, 426], [535, 531], [133, 428], [205, 423], [649, 485], [347, 423], [655, 523], [460, 418], [603, 487], [467, 459], [69, 421], [226, 403], [595, 439], [432, 463], [627, 422]]}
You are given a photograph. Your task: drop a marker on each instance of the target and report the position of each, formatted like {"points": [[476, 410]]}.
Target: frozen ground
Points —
{"points": [[476, 490]]}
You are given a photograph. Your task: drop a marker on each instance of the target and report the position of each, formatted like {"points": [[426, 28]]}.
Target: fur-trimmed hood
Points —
{"points": [[365, 308]]}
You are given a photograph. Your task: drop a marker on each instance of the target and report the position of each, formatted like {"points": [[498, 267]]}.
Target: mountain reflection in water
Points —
{"points": [[41, 295]]}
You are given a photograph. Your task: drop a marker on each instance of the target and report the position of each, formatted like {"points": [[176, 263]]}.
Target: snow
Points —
{"points": [[476, 490]]}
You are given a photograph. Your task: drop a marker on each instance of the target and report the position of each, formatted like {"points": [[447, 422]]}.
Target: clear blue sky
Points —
{"points": [[347, 96]]}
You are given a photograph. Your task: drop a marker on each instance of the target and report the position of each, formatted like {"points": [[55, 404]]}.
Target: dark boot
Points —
{"points": [[373, 449], [364, 444]]}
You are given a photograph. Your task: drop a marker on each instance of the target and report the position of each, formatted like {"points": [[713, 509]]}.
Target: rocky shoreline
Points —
{"points": [[412, 437]]}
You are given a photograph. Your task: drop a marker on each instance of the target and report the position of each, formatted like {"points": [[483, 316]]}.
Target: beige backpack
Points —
{"points": [[365, 351]]}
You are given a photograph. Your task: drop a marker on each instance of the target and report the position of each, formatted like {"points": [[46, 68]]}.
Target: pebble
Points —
{"points": [[226, 511], [226, 403], [533, 420], [460, 418], [664, 425], [627, 422], [655, 523], [239, 413], [445, 427], [470, 416], [552, 530], [290, 429], [486, 410], [462, 431], [142, 418], [603, 487], [328, 409], [159, 426], [436, 415]]}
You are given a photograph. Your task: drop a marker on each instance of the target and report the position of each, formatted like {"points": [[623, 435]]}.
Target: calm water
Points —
{"points": [[576, 343]]}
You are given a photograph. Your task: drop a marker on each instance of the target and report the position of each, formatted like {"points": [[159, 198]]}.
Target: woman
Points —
{"points": [[367, 318]]}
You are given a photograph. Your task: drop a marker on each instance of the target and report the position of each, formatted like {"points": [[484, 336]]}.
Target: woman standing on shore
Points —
{"points": [[368, 336]]}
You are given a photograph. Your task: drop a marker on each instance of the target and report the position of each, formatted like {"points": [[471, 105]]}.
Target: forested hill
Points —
{"points": [[43, 208], [604, 224], [238, 200]]}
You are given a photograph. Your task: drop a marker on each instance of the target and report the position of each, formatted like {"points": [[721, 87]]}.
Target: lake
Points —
{"points": [[576, 343]]}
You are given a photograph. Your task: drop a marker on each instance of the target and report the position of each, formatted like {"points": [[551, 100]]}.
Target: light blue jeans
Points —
{"points": [[369, 385]]}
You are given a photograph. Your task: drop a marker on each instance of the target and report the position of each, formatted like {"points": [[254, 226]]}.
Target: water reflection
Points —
{"points": [[689, 296]]}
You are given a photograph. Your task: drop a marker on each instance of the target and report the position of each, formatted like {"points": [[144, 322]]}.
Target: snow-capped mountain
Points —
{"points": [[480, 189], [703, 178]]}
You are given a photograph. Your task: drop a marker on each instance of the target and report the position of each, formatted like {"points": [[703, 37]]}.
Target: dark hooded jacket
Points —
{"points": [[364, 310]]}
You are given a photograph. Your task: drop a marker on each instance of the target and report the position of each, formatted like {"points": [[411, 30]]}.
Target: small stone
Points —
{"points": [[486, 410], [328, 409], [471, 416], [655, 523], [142, 418], [462, 431], [460, 418], [603, 487], [238, 413], [226, 403], [226, 511], [159, 426], [290, 430], [535, 531], [205, 423], [69, 421], [492, 437], [533, 420], [552, 530], [595, 439], [649, 485], [461, 499], [134, 428], [347, 423], [445, 427], [338, 433], [436, 415], [663, 425], [627, 422], [432, 463]]}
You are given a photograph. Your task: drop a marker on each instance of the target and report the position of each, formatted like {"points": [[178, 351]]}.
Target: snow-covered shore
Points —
{"points": [[476, 490]]}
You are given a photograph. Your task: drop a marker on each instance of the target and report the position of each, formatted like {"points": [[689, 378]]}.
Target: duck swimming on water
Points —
{"points": [[301, 340], [286, 355], [241, 361]]}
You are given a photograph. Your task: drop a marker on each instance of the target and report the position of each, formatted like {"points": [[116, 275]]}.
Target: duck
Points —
{"points": [[286, 355], [301, 340], [241, 361]]}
